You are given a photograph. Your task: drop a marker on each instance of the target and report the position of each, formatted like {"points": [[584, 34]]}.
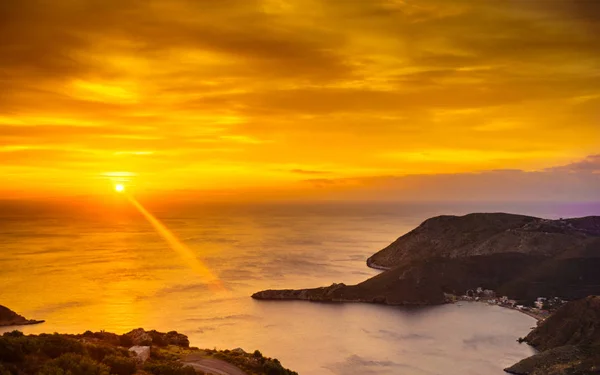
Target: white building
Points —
{"points": [[142, 353]]}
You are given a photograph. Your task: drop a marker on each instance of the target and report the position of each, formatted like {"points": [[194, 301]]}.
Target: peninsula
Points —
{"points": [[518, 256], [11, 318]]}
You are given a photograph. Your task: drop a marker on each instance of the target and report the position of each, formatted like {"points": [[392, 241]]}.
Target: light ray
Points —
{"points": [[180, 248]]}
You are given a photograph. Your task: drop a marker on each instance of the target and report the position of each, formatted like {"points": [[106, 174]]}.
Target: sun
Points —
{"points": [[119, 188]]}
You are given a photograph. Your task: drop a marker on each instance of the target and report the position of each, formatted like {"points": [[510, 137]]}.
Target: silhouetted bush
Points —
{"points": [[274, 368], [3, 370], [56, 345], [11, 350], [120, 365], [74, 364], [14, 333], [125, 341], [99, 352]]}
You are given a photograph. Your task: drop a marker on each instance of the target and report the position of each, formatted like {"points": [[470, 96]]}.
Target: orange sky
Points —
{"points": [[299, 96]]}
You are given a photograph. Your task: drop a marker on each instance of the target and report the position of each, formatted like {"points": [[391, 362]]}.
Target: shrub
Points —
{"points": [[14, 333], [125, 341], [74, 364], [56, 345], [3, 370], [274, 368], [257, 354], [120, 365], [99, 352], [11, 350]]}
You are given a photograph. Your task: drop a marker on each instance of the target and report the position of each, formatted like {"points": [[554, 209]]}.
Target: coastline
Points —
{"points": [[538, 317], [376, 266]]}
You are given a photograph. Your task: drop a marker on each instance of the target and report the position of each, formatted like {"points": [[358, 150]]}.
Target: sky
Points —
{"points": [[255, 99]]}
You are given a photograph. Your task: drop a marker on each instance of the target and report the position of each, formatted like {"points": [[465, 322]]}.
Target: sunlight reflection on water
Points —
{"points": [[115, 273]]}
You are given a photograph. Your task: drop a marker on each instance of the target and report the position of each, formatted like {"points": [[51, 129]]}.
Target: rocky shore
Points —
{"points": [[11, 318]]}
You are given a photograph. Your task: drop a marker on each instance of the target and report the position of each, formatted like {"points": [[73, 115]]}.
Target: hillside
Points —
{"points": [[104, 353], [11, 318], [485, 234], [518, 256], [569, 342]]}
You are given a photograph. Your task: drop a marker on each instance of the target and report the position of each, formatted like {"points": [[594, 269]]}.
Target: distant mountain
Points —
{"points": [[519, 256], [569, 342], [11, 318]]}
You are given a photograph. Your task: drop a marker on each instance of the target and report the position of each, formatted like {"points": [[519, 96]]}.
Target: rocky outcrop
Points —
{"points": [[140, 337], [137, 337], [569, 341], [11, 318], [486, 234]]}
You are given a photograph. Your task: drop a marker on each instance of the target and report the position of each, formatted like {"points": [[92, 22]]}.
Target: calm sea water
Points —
{"points": [[110, 270]]}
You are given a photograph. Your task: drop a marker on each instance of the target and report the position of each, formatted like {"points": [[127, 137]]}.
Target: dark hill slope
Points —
{"points": [[485, 234], [520, 276], [569, 342], [518, 256], [576, 323]]}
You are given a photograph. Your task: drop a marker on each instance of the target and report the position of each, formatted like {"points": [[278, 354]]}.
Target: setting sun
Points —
{"points": [[119, 187]]}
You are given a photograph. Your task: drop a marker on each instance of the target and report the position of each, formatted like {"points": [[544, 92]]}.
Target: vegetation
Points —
{"points": [[104, 353], [568, 341], [253, 364]]}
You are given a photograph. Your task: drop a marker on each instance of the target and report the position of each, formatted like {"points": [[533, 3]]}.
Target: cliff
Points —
{"points": [[11, 318], [519, 256], [569, 341]]}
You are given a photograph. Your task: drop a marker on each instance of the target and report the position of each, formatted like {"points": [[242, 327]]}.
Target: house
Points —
{"points": [[539, 303], [489, 293]]}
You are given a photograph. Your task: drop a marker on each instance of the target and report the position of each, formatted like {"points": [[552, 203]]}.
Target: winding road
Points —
{"points": [[211, 366]]}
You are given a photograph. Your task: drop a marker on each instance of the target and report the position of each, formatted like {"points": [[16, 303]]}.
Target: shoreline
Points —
{"points": [[536, 316]]}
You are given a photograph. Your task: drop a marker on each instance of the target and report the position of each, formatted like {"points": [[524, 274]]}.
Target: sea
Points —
{"points": [[110, 270]]}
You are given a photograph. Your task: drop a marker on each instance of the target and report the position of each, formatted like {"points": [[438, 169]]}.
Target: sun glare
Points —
{"points": [[119, 188]]}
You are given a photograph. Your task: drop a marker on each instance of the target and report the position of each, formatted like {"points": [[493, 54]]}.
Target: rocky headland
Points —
{"points": [[568, 341], [11, 318], [522, 257]]}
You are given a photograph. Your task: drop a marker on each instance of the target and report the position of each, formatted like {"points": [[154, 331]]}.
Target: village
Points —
{"points": [[539, 309]]}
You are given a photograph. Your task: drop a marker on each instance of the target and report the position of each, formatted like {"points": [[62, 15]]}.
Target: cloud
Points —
{"points": [[232, 93], [591, 164], [308, 172], [577, 181]]}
